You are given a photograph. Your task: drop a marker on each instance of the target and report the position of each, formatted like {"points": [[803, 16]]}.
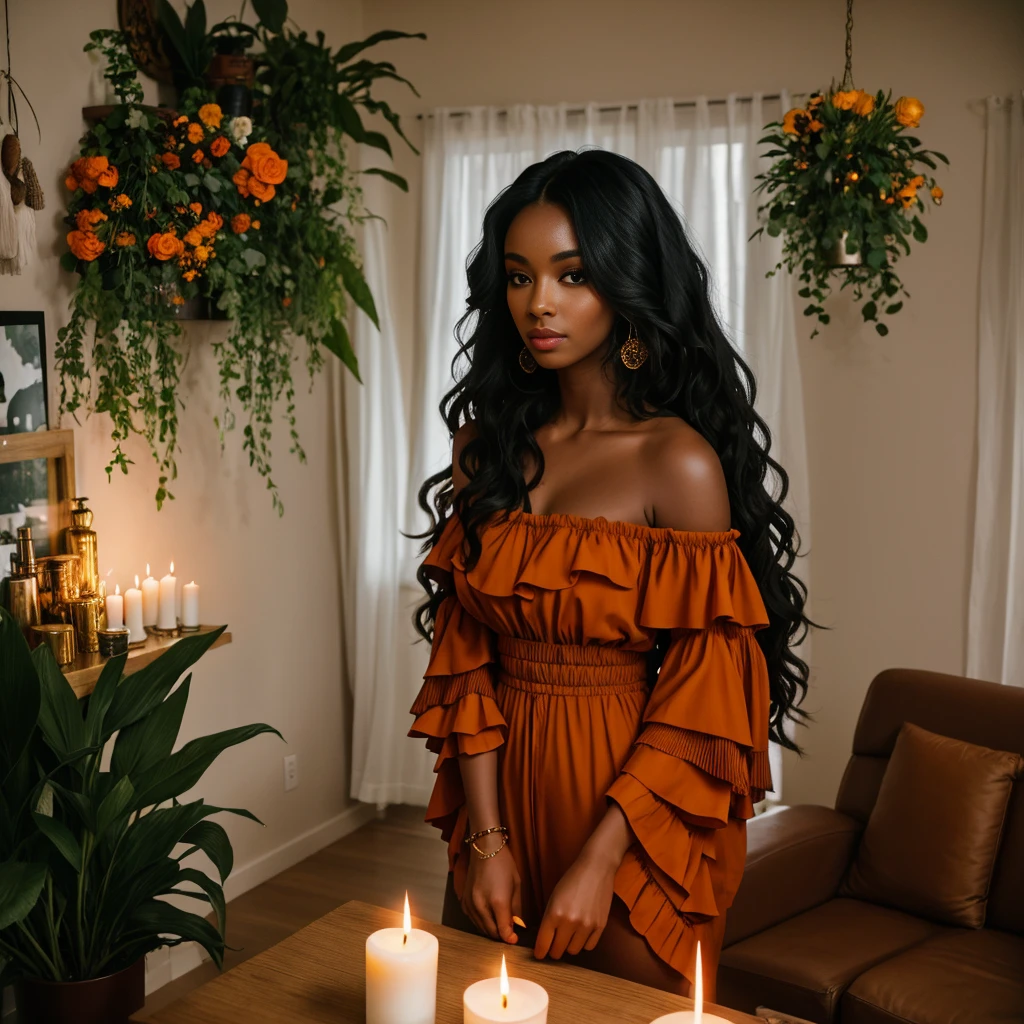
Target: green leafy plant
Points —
{"points": [[88, 854], [846, 174], [282, 264]]}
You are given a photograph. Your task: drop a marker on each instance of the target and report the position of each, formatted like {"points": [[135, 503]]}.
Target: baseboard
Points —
{"points": [[165, 965]]}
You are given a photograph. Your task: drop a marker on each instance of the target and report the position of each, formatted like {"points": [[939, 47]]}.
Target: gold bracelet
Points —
{"points": [[488, 856], [474, 836]]}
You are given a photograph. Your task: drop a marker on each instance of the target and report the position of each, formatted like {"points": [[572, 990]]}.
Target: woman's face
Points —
{"points": [[560, 317]]}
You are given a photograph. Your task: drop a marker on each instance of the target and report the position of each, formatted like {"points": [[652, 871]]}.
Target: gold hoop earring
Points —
{"points": [[634, 352], [526, 360]]}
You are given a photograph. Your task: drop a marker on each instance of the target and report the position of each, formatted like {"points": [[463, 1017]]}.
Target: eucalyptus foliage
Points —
{"points": [[87, 853]]}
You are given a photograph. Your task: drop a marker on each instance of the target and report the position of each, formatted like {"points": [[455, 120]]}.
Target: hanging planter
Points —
{"points": [[845, 193]]}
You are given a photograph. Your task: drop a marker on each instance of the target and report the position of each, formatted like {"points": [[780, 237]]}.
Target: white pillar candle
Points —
{"points": [[133, 613], [190, 605], [697, 1014], [165, 617], [150, 599], [401, 975], [505, 1000], [115, 609]]}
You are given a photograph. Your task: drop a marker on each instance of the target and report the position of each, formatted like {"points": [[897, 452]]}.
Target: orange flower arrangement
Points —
{"points": [[262, 169], [90, 172], [85, 245], [165, 246]]}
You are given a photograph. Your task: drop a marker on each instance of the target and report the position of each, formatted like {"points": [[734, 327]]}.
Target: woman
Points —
{"points": [[609, 597]]}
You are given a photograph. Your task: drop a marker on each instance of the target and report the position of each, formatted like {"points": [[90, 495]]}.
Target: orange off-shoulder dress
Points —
{"points": [[541, 652]]}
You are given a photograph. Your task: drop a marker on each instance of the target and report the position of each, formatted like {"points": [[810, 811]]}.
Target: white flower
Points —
{"points": [[241, 129], [136, 119]]}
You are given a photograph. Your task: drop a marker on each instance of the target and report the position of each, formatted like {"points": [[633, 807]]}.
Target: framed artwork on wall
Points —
{"points": [[22, 373]]}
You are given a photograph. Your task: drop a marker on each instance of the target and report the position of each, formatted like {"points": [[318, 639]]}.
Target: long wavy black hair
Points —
{"points": [[636, 255]]}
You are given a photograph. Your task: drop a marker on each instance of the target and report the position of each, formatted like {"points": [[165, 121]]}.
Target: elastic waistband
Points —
{"points": [[569, 669]]}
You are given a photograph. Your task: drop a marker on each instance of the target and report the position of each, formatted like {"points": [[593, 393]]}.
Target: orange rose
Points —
{"points": [[86, 220], [864, 103], [194, 237], [88, 185], [795, 121], [261, 190], [241, 179], [257, 149], [211, 115], [71, 183], [269, 167], [195, 133], [219, 146], [908, 111], [125, 238], [165, 246], [215, 220], [170, 161], [240, 223], [85, 245], [844, 100], [108, 178]]}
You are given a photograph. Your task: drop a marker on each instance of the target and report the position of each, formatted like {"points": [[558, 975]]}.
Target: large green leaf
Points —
{"points": [[60, 835], [336, 340], [182, 770], [102, 696], [19, 694], [20, 885], [395, 179], [195, 24], [60, 716], [139, 693], [115, 806], [212, 893], [150, 740], [159, 918], [272, 14], [211, 838], [349, 50], [356, 286]]}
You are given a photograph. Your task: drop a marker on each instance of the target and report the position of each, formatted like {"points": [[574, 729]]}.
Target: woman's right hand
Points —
{"points": [[492, 893]]}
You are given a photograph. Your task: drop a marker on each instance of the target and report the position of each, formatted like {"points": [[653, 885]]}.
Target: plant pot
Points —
{"points": [[231, 69], [837, 256], [108, 1000], [235, 100]]}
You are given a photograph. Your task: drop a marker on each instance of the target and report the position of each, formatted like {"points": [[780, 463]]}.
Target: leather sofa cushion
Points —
{"points": [[931, 841], [957, 975], [804, 965]]}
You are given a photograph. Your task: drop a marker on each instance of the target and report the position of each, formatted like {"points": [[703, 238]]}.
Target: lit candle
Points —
{"points": [[150, 599], [190, 606], [115, 609], [165, 617], [401, 974], [504, 1000], [697, 1014], [133, 613]]}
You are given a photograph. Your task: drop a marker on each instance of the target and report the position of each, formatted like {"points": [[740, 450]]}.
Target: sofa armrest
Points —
{"points": [[796, 859]]}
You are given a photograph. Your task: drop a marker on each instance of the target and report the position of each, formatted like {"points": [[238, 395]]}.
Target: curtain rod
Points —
{"points": [[502, 111]]}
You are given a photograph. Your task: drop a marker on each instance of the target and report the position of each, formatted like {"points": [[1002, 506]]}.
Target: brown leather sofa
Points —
{"points": [[794, 945]]}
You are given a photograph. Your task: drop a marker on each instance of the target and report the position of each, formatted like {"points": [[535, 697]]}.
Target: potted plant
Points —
{"points": [[88, 853]]}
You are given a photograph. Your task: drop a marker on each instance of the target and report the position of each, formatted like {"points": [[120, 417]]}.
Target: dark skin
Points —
{"points": [[599, 461]]}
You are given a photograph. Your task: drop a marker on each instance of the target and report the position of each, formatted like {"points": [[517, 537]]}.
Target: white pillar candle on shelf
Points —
{"points": [[115, 609], [505, 1000], [150, 599], [401, 975], [697, 1014], [165, 617], [190, 605], [133, 613]]}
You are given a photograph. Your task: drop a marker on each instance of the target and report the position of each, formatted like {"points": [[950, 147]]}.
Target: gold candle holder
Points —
{"points": [[59, 637], [80, 540], [23, 601], [85, 617], [58, 577], [112, 642]]}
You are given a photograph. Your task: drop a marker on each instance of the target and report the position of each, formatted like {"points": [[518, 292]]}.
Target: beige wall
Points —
{"points": [[273, 580], [890, 421]]}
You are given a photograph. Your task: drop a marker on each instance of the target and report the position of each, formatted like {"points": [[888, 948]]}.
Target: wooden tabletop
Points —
{"points": [[317, 977]]}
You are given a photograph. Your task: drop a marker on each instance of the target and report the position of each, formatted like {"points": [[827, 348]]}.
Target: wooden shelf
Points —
{"points": [[83, 672]]}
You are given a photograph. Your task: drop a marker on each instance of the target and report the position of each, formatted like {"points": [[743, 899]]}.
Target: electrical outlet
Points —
{"points": [[291, 772]]}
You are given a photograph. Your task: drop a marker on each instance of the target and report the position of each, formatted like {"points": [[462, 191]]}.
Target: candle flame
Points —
{"points": [[698, 991], [172, 568], [136, 581], [406, 920], [148, 573], [192, 584], [503, 985], [117, 589]]}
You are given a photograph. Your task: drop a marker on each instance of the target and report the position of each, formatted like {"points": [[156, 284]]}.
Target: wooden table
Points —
{"points": [[317, 977]]}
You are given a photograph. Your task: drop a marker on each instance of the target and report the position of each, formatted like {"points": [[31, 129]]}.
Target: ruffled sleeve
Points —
{"points": [[456, 710], [701, 757]]}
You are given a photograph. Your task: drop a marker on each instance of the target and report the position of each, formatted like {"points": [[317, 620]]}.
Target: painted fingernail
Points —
{"points": [[519, 921]]}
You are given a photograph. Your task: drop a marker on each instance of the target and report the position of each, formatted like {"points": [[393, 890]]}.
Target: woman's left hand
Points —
{"points": [[578, 909]]}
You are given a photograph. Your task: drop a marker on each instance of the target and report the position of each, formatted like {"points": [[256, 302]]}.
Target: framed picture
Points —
{"points": [[22, 373], [37, 482]]}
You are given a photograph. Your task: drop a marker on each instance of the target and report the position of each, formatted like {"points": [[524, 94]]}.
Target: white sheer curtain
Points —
{"points": [[995, 631]]}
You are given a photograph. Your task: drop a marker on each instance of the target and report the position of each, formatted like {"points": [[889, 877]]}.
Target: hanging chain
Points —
{"points": [[848, 75]]}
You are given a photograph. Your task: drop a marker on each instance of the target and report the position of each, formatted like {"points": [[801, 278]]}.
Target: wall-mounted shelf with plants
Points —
{"points": [[239, 201]]}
